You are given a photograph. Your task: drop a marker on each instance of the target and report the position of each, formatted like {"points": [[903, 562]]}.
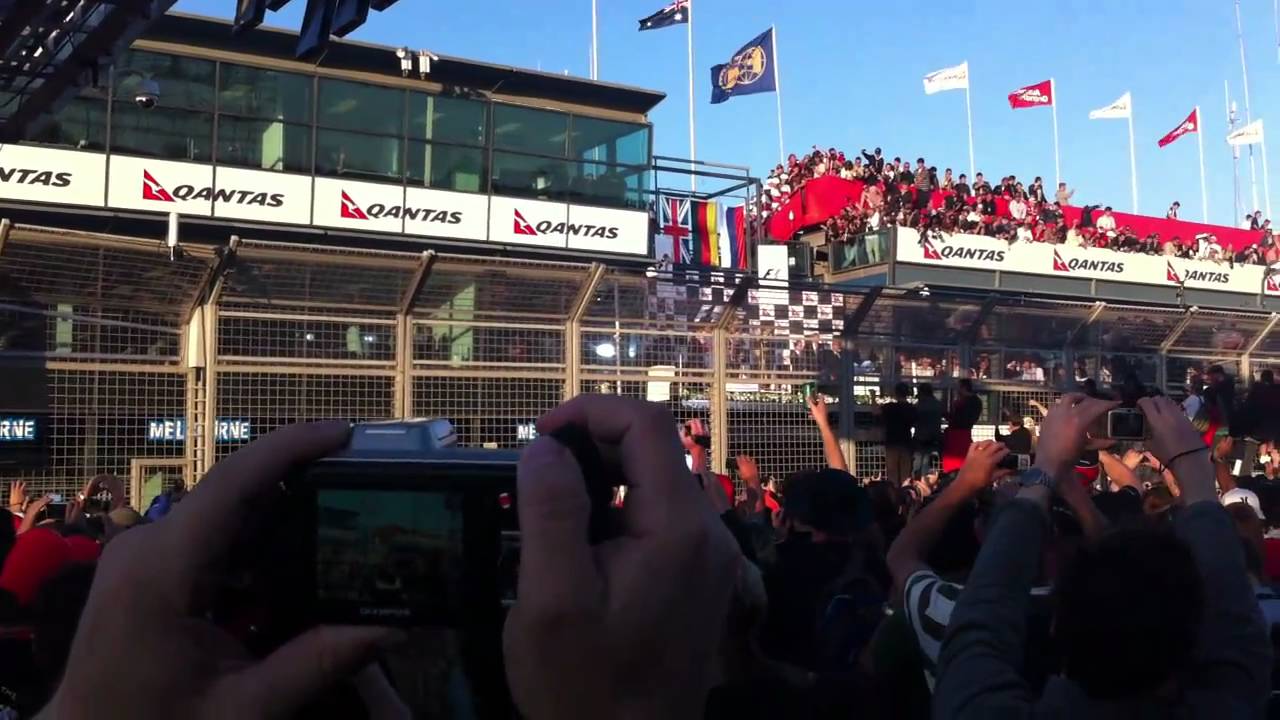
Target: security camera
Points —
{"points": [[147, 95]]}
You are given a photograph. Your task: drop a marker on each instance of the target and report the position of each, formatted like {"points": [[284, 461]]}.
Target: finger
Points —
{"points": [[205, 523], [659, 488], [556, 562], [1072, 398], [1090, 409], [1151, 408], [307, 665]]}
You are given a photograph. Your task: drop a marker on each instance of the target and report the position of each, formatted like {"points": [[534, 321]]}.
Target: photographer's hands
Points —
{"points": [[144, 649], [628, 628]]}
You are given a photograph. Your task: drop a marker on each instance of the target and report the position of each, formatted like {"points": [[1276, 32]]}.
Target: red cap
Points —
{"points": [[37, 555]]}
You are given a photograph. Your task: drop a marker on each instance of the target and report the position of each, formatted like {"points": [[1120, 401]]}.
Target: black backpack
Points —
{"points": [[852, 607]]}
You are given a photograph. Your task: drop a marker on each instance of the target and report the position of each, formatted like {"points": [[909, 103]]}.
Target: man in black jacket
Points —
{"points": [[874, 162]]}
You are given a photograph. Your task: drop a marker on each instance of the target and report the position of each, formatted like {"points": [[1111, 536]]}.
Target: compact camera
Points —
{"points": [[402, 528]]}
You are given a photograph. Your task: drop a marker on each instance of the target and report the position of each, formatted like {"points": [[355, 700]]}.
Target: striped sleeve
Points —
{"points": [[928, 603]]}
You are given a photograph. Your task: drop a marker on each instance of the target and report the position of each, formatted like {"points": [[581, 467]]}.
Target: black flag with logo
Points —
{"points": [[677, 13]]}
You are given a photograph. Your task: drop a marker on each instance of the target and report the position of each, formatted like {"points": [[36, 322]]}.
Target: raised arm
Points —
{"points": [[830, 445], [909, 551], [1234, 657], [979, 668]]}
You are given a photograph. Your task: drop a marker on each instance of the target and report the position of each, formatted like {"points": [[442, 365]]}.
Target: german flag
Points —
{"points": [[706, 233]]}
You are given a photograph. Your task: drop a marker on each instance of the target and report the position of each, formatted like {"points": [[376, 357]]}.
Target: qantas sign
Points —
{"points": [[959, 252], [352, 210], [153, 190], [1114, 267], [34, 176], [521, 226]]}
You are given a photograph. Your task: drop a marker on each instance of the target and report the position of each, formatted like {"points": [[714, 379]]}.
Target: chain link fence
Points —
{"points": [[149, 364]]}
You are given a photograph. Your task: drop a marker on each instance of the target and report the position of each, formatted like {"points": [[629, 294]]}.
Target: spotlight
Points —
{"points": [[424, 62], [406, 61], [606, 350]]}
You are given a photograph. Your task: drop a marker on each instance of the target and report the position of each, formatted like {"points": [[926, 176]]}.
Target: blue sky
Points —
{"points": [[851, 78]]}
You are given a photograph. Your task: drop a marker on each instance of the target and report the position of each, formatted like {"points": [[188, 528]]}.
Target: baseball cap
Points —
{"points": [[1248, 497]]}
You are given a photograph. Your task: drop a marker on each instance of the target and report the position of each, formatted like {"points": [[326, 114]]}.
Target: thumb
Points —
{"points": [[557, 567], [304, 667]]}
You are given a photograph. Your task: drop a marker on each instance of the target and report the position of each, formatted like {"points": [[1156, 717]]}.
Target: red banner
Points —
{"points": [[1230, 238], [1190, 125], [1038, 95], [819, 200]]}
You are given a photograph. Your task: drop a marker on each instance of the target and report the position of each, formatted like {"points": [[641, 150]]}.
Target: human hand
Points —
{"points": [[748, 471], [144, 650], [979, 469], [74, 514], [630, 627], [1173, 436], [17, 495], [1132, 458], [1065, 429], [32, 514], [818, 411]]}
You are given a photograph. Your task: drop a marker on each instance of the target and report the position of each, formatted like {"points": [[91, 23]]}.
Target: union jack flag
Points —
{"points": [[675, 220]]}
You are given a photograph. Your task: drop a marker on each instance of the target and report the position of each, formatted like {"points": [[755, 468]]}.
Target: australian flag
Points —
{"points": [[753, 69], [677, 13]]}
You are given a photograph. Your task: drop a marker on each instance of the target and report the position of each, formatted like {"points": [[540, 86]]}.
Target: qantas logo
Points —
{"points": [[30, 176], [1171, 273], [955, 252], [351, 210], [1075, 264], [521, 226], [153, 190], [1273, 285]]}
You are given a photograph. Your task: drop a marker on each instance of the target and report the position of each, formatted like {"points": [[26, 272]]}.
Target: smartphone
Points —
{"points": [[808, 390], [55, 510], [1126, 424]]}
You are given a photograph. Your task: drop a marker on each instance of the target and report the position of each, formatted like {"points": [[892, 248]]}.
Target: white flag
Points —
{"points": [[1250, 134], [1118, 110], [952, 78]]}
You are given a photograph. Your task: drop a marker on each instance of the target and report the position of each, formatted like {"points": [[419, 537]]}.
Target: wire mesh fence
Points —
{"points": [[139, 363]]}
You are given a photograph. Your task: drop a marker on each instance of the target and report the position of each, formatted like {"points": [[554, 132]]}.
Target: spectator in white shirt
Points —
{"points": [[1024, 233], [1018, 209], [1074, 238], [1107, 221]]}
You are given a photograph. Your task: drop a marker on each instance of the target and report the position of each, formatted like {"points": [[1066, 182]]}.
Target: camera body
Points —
{"points": [[402, 528], [147, 95]]}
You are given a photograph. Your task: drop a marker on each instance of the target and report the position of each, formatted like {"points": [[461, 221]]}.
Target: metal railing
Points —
{"points": [[110, 337]]}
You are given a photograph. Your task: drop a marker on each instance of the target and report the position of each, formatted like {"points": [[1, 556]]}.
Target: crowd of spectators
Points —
{"points": [[1051, 571], [898, 192]]}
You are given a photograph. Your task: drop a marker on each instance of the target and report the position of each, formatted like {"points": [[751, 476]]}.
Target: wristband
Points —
{"points": [[1183, 454]]}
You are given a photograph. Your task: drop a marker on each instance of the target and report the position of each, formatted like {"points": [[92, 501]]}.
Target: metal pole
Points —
{"points": [[968, 113], [693, 134], [595, 48], [777, 91], [1204, 193], [1057, 163], [1235, 155], [1266, 180], [1248, 111], [1133, 160]]}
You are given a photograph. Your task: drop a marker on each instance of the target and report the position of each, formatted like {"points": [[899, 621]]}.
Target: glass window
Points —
{"points": [[357, 106], [177, 81], [609, 141], [446, 119], [81, 124], [527, 130], [447, 167], [180, 123], [268, 94], [264, 144], [537, 177], [359, 156], [611, 185], [162, 132]]}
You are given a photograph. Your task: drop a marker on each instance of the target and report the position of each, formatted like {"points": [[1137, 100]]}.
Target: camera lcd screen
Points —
{"points": [[389, 551], [1126, 425]]}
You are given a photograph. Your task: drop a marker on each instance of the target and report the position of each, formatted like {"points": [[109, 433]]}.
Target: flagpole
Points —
{"points": [[968, 113], [595, 51], [1204, 192], [1248, 111], [693, 133], [777, 91], [1057, 163], [1133, 159], [1266, 181]]}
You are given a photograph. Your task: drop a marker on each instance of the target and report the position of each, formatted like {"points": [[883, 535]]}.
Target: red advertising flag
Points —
{"points": [[1190, 125], [1038, 95]]}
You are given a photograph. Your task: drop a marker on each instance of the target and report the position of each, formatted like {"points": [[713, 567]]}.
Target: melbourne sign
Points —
{"points": [[71, 177], [175, 430]]}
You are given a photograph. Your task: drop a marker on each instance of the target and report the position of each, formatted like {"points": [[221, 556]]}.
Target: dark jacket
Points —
{"points": [[978, 668]]}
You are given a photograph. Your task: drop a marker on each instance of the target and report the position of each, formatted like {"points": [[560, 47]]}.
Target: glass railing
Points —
{"points": [[857, 251]]}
